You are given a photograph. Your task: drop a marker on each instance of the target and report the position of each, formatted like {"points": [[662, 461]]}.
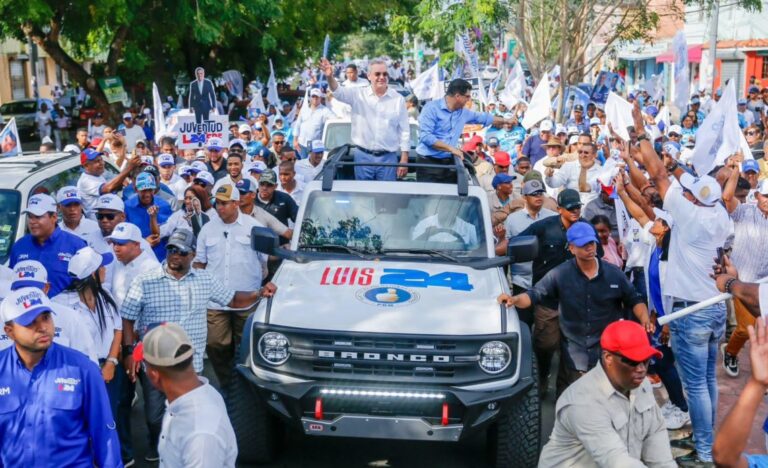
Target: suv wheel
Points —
{"points": [[257, 432], [515, 439]]}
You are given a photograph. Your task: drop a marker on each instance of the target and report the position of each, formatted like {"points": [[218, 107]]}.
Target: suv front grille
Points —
{"points": [[372, 357]]}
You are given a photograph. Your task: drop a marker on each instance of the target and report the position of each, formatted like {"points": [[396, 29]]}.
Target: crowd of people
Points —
{"points": [[627, 232]]}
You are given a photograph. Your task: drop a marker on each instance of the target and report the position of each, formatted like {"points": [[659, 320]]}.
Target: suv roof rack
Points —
{"points": [[341, 160]]}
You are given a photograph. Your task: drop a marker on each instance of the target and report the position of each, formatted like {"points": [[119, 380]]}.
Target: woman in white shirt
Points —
{"points": [[196, 212]]}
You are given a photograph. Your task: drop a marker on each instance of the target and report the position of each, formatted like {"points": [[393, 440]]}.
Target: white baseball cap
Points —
{"points": [[206, 177], [236, 141], [29, 274], [665, 215], [705, 188], [148, 160], [123, 233], [24, 305], [85, 261], [109, 201], [545, 126], [127, 115], [200, 155], [318, 146], [67, 195], [316, 92], [163, 343], [243, 128], [215, 143], [40, 204], [257, 167], [199, 166], [166, 159], [675, 129]]}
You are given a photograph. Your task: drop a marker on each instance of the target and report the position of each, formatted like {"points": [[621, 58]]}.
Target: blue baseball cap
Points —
{"points": [[502, 178], [68, 195], [651, 110], [741, 102], [24, 305], [246, 186], [89, 154], [750, 165], [493, 141], [581, 234], [145, 181]]}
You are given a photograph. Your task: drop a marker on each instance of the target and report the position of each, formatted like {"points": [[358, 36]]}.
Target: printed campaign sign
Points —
{"points": [[195, 136], [113, 89], [10, 144]]}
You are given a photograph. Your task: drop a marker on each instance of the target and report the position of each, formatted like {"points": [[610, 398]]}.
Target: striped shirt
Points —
{"points": [[155, 296], [750, 230]]}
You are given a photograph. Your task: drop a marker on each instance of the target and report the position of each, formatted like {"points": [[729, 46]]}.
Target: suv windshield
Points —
{"points": [[19, 107], [10, 200], [406, 223]]}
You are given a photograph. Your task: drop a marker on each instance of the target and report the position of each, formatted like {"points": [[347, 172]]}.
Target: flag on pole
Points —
{"points": [[662, 119], [272, 95], [257, 104], [680, 48], [618, 113], [157, 105], [326, 45], [514, 88], [10, 143], [467, 50], [719, 136], [427, 85], [538, 109]]}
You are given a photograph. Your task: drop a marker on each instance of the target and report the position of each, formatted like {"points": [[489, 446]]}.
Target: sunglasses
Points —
{"points": [[109, 216], [629, 362], [278, 143], [380, 74], [585, 152], [176, 251], [752, 133], [573, 208]]}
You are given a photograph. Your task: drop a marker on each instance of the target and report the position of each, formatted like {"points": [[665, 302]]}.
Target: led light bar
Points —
{"points": [[348, 392]]}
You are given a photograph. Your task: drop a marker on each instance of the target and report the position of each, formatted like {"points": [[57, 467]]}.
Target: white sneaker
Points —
{"points": [[676, 419], [667, 408]]}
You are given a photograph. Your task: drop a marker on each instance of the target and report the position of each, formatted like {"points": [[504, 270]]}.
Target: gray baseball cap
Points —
{"points": [[269, 177], [167, 345], [533, 186], [182, 239]]}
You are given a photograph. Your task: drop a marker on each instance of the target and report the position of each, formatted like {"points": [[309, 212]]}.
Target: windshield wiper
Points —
{"points": [[345, 248], [434, 253]]}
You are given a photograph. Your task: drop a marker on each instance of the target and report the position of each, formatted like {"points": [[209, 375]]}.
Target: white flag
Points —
{"points": [[157, 105], [427, 85], [618, 113], [680, 48], [257, 103], [10, 143], [514, 89], [719, 135], [538, 109], [663, 117], [272, 95]]}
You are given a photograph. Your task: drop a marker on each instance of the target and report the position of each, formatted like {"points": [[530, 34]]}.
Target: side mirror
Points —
{"points": [[522, 249], [264, 240]]}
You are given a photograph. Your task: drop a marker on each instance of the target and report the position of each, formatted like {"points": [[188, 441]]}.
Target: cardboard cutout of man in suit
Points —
{"points": [[202, 96]]}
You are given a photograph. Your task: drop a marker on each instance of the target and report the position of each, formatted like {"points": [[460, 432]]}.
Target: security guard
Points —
{"points": [[54, 409]]}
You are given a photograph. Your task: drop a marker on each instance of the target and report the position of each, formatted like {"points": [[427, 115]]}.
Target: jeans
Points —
{"points": [[154, 409], [694, 340], [123, 419], [374, 172]]}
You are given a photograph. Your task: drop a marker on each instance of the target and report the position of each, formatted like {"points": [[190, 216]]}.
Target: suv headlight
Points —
{"points": [[495, 356], [273, 348]]}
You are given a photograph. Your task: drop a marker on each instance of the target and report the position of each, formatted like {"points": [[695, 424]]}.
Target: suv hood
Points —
{"points": [[387, 297]]}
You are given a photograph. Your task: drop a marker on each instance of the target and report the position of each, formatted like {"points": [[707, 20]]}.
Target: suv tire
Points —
{"points": [[257, 432], [514, 440]]}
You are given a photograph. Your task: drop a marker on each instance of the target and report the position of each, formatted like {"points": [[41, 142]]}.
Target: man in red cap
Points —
{"points": [[474, 150], [501, 163], [609, 417]]}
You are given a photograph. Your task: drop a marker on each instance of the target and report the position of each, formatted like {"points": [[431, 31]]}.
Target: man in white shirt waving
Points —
{"points": [[380, 125]]}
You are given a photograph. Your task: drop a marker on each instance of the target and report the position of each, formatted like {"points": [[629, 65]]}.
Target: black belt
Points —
{"points": [[683, 303], [373, 153]]}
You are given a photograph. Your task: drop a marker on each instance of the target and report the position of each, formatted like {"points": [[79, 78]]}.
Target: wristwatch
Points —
{"points": [[113, 360], [642, 136]]}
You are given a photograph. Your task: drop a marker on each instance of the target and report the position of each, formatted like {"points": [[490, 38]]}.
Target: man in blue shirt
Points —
{"points": [[145, 209], [578, 119], [54, 409], [533, 148], [441, 124], [46, 242]]}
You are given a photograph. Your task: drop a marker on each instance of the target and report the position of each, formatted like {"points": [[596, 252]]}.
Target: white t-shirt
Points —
{"points": [[96, 131], [123, 274], [89, 189], [86, 230], [698, 232], [306, 170], [638, 245], [196, 431], [101, 334]]}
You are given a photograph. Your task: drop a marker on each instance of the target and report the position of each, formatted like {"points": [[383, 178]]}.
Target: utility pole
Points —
{"points": [[713, 42]]}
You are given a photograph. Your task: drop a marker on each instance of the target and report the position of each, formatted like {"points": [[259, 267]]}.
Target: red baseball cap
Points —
{"points": [[629, 339], [502, 158], [471, 145]]}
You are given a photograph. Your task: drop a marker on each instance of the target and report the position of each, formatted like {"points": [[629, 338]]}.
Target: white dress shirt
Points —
{"points": [[568, 177], [226, 251], [309, 125], [124, 273], [196, 431], [378, 123], [306, 170], [298, 191], [86, 230]]}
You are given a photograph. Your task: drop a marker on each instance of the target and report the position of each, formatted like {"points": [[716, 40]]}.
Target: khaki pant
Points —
{"points": [[739, 335], [546, 340], [225, 330]]}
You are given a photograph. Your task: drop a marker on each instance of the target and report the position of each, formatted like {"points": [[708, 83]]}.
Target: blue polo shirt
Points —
{"points": [[534, 149], [58, 414], [54, 254], [437, 123], [137, 214]]}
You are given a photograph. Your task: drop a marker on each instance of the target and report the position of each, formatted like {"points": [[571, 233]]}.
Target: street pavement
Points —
{"points": [[322, 452]]}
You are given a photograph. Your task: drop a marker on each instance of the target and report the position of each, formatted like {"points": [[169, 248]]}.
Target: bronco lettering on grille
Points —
{"points": [[380, 357]]}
